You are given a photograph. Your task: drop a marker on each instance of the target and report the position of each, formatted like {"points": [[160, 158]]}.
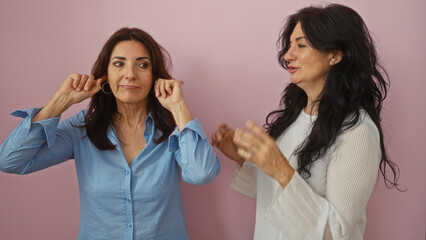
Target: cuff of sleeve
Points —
{"points": [[244, 180], [296, 209], [49, 125], [174, 138]]}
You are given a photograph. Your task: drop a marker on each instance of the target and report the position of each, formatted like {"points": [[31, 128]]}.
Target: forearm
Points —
{"points": [[195, 156], [181, 114], [54, 108], [19, 152], [284, 173]]}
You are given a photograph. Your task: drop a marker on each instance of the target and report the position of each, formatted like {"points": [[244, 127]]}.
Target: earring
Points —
{"points": [[103, 90]]}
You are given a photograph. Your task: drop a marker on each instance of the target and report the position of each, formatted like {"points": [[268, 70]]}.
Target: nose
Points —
{"points": [[289, 55], [130, 73]]}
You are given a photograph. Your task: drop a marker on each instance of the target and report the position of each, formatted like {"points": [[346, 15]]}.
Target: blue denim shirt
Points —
{"points": [[117, 201]]}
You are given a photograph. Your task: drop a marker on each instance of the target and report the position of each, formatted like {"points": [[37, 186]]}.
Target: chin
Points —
{"points": [[295, 81]]}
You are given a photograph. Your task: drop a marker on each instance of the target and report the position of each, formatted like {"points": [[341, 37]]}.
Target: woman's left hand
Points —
{"points": [[258, 147], [169, 92]]}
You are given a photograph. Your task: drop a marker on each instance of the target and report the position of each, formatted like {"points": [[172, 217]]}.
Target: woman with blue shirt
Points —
{"points": [[131, 146]]}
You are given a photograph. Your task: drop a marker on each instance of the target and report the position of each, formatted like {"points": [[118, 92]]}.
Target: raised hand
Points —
{"points": [[169, 94], [223, 139], [78, 87], [258, 147]]}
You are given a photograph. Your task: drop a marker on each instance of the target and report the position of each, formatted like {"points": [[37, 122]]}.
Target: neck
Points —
{"points": [[131, 115], [313, 93], [311, 107]]}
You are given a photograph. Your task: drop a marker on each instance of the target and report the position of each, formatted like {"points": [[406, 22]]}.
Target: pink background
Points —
{"points": [[225, 52]]}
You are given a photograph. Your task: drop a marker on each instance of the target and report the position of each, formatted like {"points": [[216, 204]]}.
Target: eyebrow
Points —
{"points": [[298, 38], [137, 59]]}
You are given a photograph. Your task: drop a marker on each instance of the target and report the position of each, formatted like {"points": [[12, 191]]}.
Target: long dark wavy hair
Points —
{"points": [[356, 82], [103, 106]]}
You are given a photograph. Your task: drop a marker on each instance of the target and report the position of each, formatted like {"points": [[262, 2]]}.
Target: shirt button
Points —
{"points": [[127, 172], [128, 199], [129, 225]]}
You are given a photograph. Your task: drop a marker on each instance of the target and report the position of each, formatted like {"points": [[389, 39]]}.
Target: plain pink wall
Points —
{"points": [[225, 52]]}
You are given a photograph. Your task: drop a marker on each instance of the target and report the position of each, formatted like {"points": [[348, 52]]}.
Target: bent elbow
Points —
{"points": [[202, 177], [13, 168], [7, 169]]}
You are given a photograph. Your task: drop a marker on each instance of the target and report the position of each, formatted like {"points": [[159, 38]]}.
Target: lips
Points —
{"points": [[292, 69], [129, 86]]}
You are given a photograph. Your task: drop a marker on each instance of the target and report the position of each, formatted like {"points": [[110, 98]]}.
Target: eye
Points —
{"points": [[143, 64], [301, 45], [118, 64]]}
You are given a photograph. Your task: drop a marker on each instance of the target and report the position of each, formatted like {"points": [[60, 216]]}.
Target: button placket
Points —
{"points": [[128, 204]]}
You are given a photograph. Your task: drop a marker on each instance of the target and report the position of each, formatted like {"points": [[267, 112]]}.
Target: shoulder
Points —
{"points": [[364, 129], [77, 119]]}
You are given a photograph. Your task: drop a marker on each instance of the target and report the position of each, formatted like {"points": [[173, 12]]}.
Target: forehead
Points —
{"points": [[297, 32], [129, 49]]}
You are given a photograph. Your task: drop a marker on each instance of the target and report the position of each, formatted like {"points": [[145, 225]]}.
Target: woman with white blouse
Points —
{"points": [[314, 169]]}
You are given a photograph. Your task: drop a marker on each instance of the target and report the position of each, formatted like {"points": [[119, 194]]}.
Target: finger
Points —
{"points": [[214, 139], [246, 140], [225, 127], [157, 87], [83, 81], [245, 154], [176, 83], [228, 135], [162, 90], [259, 131], [89, 83], [168, 87], [75, 79], [96, 87], [99, 82]]}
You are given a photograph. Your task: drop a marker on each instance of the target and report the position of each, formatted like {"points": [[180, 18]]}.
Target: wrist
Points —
{"points": [[178, 107], [60, 103], [181, 114], [283, 174]]}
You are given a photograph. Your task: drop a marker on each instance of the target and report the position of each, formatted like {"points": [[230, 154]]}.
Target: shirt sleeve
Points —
{"points": [[35, 146], [245, 179], [194, 154], [300, 213]]}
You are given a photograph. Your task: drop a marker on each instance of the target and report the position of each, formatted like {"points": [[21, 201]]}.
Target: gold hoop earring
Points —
{"points": [[103, 90]]}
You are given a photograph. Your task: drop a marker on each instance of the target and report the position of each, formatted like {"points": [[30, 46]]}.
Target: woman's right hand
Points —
{"points": [[78, 87], [222, 139]]}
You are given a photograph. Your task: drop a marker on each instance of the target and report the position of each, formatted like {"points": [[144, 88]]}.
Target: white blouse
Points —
{"points": [[328, 205]]}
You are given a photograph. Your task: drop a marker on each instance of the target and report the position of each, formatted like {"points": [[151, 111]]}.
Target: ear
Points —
{"points": [[335, 57], [105, 78]]}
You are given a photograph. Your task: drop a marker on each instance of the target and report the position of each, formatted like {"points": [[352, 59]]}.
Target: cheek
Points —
{"points": [[147, 78]]}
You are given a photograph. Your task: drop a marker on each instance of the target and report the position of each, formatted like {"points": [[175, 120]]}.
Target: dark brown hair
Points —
{"points": [[357, 82], [103, 106]]}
